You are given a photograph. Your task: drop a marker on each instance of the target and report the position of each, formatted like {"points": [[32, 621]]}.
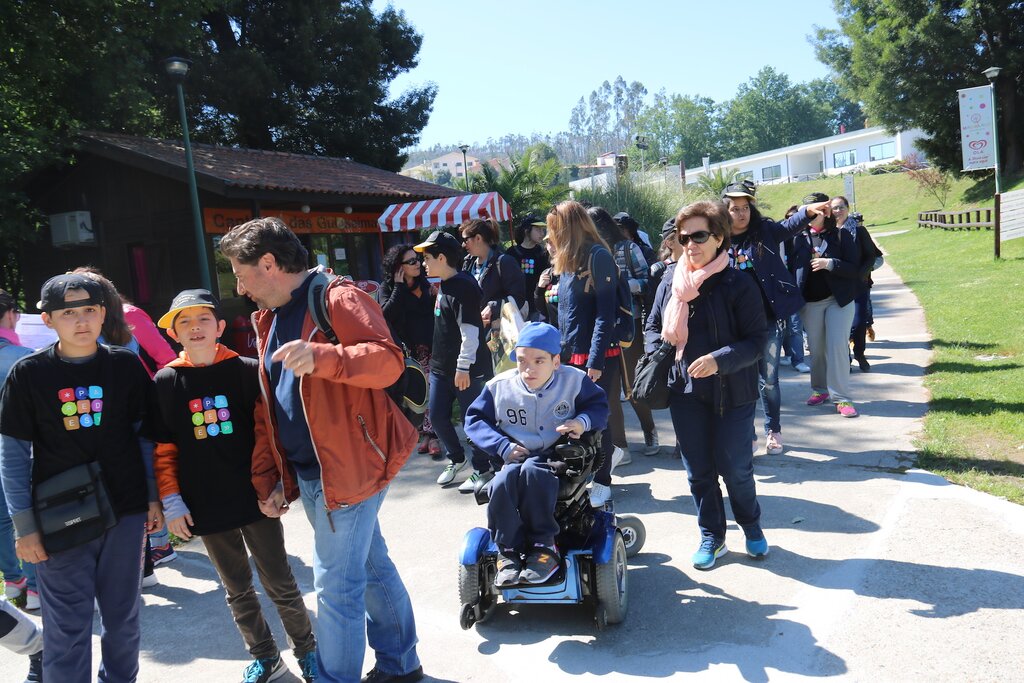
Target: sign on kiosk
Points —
{"points": [[219, 221], [976, 118]]}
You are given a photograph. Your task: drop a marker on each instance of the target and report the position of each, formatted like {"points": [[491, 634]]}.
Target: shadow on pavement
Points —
{"points": [[946, 591]]}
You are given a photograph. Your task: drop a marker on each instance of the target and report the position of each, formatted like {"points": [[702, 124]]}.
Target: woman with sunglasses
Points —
{"points": [[408, 304], [586, 316], [714, 317]]}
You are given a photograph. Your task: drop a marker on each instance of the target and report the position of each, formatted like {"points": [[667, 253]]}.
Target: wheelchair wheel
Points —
{"points": [[634, 533], [611, 582], [469, 593]]}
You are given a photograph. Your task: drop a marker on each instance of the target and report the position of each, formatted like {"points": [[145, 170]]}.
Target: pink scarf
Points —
{"points": [[685, 285]]}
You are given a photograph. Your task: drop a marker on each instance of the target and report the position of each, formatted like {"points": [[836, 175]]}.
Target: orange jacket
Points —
{"points": [[360, 437], [165, 456]]}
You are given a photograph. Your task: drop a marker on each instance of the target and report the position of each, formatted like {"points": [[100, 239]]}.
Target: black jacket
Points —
{"points": [[736, 336], [842, 248], [868, 251], [500, 278], [411, 317]]}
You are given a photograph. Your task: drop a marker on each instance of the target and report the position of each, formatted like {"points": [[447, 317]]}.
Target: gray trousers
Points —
{"points": [[18, 633], [828, 335]]}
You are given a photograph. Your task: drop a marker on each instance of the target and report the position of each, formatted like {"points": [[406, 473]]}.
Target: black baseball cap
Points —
{"points": [[668, 228], [51, 296], [746, 188], [187, 299], [815, 197], [437, 238], [625, 220], [532, 220]]}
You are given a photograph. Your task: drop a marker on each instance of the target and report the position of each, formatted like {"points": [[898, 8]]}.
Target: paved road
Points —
{"points": [[877, 571]]}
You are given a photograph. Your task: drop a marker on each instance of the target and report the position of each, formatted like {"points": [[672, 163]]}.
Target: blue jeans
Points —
{"points": [[714, 446], [768, 367], [793, 339], [442, 395], [359, 594], [12, 568], [108, 569]]}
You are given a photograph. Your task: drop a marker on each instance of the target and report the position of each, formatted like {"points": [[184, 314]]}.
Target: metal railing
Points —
{"points": [[957, 220]]}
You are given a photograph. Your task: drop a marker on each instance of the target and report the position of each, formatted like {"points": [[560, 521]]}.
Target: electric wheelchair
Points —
{"points": [[594, 544]]}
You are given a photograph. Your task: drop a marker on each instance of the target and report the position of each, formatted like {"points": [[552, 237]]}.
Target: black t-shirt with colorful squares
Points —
{"points": [[208, 413], [77, 412], [532, 262]]}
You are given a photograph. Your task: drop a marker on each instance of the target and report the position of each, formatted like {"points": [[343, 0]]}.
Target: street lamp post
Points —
{"points": [[992, 73], [641, 144], [177, 68], [465, 167]]}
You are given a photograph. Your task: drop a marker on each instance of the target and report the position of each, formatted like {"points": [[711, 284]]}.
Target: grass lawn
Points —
{"points": [[974, 430]]}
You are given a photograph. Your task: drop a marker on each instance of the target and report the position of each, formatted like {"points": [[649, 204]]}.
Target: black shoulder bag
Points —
{"points": [[73, 507], [651, 384]]}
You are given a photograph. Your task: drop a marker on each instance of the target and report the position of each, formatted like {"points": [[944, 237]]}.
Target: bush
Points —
{"points": [[649, 204]]}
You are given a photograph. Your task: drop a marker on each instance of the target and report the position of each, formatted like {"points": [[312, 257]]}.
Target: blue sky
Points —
{"points": [[520, 66]]}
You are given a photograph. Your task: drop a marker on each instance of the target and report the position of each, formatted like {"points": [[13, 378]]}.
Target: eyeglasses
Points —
{"points": [[699, 237], [411, 261]]}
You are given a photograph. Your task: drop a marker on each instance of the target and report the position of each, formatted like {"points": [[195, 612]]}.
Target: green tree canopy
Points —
{"points": [[905, 61], [308, 76]]}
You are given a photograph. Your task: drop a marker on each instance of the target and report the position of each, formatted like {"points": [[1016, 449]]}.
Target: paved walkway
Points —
{"points": [[877, 572]]}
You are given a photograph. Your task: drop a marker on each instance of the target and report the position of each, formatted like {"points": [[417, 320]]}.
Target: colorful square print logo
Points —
{"points": [[210, 416], [81, 407]]}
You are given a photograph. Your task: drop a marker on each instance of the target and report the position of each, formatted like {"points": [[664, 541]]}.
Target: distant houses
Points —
{"points": [[850, 152], [451, 162]]}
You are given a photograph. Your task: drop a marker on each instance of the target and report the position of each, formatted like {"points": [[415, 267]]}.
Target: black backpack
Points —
{"points": [[624, 328], [409, 392]]}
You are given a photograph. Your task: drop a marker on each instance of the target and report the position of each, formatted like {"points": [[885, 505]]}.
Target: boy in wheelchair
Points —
{"points": [[519, 417]]}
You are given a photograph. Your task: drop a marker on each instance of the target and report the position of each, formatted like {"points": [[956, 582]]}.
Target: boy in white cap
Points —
{"points": [[518, 417]]}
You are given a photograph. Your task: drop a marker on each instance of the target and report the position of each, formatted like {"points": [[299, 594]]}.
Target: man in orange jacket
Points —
{"points": [[332, 435]]}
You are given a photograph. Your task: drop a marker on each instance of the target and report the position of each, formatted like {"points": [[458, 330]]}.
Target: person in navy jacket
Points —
{"points": [[755, 251], [519, 417]]}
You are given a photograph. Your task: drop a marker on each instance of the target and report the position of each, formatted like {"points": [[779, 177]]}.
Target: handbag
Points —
{"points": [[650, 385], [73, 507], [505, 337]]}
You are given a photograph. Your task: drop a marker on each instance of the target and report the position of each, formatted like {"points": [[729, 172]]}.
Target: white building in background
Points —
{"points": [[850, 152], [451, 162]]}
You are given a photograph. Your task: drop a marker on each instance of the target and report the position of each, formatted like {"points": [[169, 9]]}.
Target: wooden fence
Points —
{"points": [[974, 219]]}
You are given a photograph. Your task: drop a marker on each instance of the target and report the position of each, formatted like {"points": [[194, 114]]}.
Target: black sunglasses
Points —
{"points": [[699, 237], [411, 261]]}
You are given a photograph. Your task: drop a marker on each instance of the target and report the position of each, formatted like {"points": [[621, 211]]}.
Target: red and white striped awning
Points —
{"points": [[436, 213]]}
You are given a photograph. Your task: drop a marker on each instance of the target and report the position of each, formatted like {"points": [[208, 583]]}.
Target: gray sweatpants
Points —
{"points": [[18, 633], [828, 335]]}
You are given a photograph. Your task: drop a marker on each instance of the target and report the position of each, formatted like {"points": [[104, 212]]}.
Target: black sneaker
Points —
{"points": [[263, 670], [541, 564], [35, 668], [378, 676], [308, 665], [509, 566]]}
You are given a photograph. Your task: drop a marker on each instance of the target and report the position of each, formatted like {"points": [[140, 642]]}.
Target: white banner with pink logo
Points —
{"points": [[976, 128]]}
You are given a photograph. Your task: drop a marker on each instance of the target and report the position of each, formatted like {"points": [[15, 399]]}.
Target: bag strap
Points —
{"points": [[316, 302]]}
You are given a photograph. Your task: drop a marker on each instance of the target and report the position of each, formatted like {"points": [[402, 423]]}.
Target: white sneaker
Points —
{"points": [[14, 589], [32, 600], [651, 445], [448, 473], [785, 360], [150, 580], [773, 445], [599, 495], [621, 456], [470, 484], [802, 367]]}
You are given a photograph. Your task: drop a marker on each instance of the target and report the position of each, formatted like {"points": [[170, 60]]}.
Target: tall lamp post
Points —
{"points": [[177, 68], [992, 73], [465, 167]]}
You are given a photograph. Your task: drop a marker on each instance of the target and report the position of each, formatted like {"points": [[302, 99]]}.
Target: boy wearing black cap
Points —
{"points": [[532, 256], [71, 403], [518, 417], [207, 398], [460, 361]]}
